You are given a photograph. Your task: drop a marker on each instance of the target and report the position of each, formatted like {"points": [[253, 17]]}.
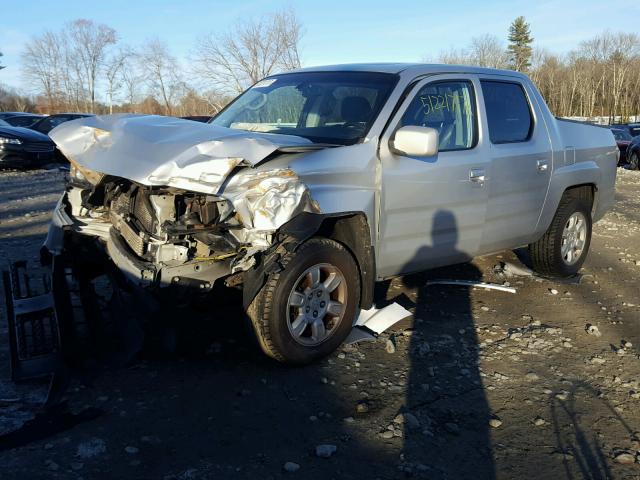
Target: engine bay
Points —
{"points": [[164, 225]]}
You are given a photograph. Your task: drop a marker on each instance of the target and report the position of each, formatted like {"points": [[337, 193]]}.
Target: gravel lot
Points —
{"points": [[478, 384]]}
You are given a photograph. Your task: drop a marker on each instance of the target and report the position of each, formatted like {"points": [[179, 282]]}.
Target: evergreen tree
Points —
{"points": [[520, 45]]}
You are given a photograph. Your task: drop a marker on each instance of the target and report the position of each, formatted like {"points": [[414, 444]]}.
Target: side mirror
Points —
{"points": [[415, 141]]}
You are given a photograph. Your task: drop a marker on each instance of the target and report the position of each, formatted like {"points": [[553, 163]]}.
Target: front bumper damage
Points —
{"points": [[65, 229], [211, 216], [61, 326]]}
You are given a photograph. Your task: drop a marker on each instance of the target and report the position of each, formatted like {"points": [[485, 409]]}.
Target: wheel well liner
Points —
{"points": [[587, 192]]}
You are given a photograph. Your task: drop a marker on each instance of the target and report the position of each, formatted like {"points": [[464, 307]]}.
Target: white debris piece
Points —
{"points": [[379, 320], [510, 270], [593, 330], [473, 283]]}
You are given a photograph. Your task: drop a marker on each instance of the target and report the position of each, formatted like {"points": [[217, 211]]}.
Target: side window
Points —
{"points": [[449, 107], [508, 113], [48, 124]]}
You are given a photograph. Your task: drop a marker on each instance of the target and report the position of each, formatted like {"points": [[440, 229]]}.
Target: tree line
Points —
{"points": [[600, 78], [85, 67]]}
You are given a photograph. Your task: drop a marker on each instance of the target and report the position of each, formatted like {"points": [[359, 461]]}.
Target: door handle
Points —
{"points": [[476, 175], [542, 165]]}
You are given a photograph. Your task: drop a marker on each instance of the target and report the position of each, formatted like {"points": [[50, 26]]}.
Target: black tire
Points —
{"points": [[269, 313], [633, 161], [546, 254]]}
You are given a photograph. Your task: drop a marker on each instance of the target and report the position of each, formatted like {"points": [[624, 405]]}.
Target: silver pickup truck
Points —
{"points": [[315, 184]]}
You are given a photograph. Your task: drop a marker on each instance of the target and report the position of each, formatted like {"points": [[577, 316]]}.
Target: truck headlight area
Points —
{"points": [[76, 174]]}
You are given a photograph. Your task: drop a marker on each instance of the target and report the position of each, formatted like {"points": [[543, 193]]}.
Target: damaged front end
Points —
{"points": [[178, 205], [198, 215], [162, 236]]}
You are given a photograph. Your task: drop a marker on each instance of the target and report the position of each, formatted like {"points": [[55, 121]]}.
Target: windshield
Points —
{"points": [[324, 107], [4, 124], [622, 135]]}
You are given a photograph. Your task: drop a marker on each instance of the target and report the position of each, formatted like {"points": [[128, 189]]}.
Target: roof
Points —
{"points": [[20, 114], [73, 113], [409, 68]]}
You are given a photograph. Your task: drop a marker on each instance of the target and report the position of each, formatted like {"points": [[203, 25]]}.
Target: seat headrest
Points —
{"points": [[355, 109]]}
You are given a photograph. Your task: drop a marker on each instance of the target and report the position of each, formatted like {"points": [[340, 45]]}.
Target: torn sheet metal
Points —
{"points": [[266, 200], [165, 151], [472, 283]]}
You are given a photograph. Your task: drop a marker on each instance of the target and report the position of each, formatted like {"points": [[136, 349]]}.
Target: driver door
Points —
{"points": [[432, 209]]}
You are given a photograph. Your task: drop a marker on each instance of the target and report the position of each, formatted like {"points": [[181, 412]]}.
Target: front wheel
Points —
{"points": [[634, 161], [563, 248], [305, 311]]}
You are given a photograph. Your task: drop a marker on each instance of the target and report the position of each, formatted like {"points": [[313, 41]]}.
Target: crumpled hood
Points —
{"points": [[165, 151]]}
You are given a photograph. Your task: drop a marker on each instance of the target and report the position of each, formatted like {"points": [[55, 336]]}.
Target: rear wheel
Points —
{"points": [[305, 311], [563, 248]]}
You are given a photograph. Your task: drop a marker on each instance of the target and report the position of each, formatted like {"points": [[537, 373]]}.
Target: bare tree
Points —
{"points": [[484, 51], [251, 51], [11, 100], [488, 51], [66, 65], [161, 72], [113, 70], [215, 101], [42, 61], [132, 78], [601, 78], [455, 56], [88, 44]]}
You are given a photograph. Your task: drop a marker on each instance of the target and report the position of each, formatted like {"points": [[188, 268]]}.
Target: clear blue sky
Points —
{"points": [[336, 31]]}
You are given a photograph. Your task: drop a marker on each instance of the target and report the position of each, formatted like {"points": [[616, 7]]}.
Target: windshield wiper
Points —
{"points": [[307, 148]]}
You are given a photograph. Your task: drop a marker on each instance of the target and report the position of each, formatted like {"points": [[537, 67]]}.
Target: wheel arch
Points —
{"points": [[585, 191], [351, 229]]}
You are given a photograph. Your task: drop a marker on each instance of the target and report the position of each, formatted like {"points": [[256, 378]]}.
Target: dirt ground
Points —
{"points": [[477, 384]]}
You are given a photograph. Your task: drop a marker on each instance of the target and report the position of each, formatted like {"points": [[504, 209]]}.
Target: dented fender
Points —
{"points": [[348, 228]]}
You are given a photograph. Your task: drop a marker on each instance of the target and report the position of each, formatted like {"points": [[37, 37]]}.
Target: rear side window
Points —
{"points": [[508, 113], [47, 125]]}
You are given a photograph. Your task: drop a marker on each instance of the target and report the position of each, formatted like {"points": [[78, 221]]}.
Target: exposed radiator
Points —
{"points": [[133, 238]]}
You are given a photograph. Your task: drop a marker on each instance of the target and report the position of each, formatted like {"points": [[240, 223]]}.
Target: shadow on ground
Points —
{"points": [[215, 408]]}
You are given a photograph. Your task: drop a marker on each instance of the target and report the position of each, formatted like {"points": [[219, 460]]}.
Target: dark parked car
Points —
{"points": [[22, 147], [47, 124], [633, 154], [5, 115], [632, 128], [23, 120], [198, 118], [623, 139]]}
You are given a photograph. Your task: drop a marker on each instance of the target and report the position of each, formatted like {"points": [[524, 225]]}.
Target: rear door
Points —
{"points": [[432, 208], [520, 162]]}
